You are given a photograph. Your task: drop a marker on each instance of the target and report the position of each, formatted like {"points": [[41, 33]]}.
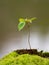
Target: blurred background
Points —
{"points": [[10, 38]]}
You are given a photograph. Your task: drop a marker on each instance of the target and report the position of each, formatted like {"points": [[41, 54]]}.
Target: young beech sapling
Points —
{"points": [[22, 23]]}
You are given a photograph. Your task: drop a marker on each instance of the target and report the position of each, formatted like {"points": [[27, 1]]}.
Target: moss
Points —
{"points": [[24, 59], [8, 58], [46, 54], [11, 55]]}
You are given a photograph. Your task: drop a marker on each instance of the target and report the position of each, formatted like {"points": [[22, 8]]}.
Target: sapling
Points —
{"points": [[22, 23]]}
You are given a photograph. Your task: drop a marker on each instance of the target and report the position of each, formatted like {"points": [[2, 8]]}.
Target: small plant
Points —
{"points": [[22, 23]]}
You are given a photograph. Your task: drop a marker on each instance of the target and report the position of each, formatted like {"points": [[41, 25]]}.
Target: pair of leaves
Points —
{"points": [[22, 22]]}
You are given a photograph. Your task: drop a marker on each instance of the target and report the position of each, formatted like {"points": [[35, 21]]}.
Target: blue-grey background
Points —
{"points": [[10, 38]]}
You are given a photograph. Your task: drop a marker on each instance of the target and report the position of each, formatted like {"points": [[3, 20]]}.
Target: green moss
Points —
{"points": [[8, 58], [11, 55], [24, 59], [45, 54]]}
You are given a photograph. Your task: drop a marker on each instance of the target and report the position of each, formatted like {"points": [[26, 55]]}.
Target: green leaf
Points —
{"points": [[34, 18], [21, 25]]}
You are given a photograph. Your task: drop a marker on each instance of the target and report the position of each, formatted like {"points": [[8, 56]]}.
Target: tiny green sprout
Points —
{"points": [[22, 22]]}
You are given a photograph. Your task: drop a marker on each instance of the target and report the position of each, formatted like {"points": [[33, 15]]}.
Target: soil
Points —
{"points": [[33, 51]]}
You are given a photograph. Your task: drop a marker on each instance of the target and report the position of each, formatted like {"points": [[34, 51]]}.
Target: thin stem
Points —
{"points": [[29, 36]]}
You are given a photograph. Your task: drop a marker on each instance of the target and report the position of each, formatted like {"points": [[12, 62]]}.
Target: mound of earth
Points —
{"points": [[14, 58]]}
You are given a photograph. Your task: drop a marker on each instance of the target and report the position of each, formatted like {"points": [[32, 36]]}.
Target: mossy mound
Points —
{"points": [[24, 59]]}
